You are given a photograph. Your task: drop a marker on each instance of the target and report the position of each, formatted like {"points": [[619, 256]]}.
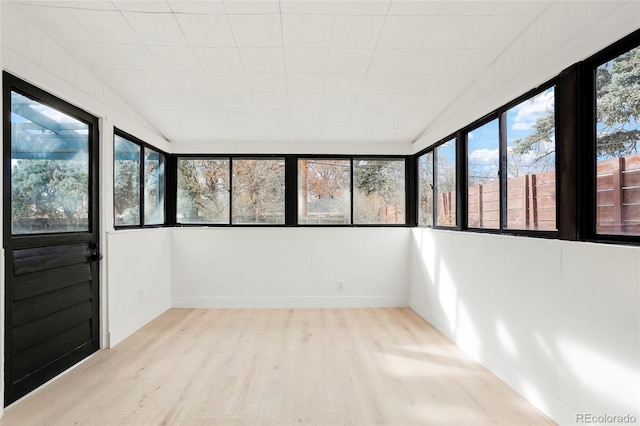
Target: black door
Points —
{"points": [[50, 236]]}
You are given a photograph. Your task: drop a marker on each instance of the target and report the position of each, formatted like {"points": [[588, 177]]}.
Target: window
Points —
{"points": [[617, 84], [531, 164], [153, 187], [203, 191], [378, 191], [258, 191], [138, 183], [483, 176], [425, 189], [126, 197], [324, 191], [49, 169], [445, 176]]}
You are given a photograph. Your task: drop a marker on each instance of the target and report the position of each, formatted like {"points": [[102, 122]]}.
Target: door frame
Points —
{"points": [[12, 83]]}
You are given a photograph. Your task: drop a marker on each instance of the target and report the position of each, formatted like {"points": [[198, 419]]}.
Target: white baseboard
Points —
{"points": [[291, 302]]}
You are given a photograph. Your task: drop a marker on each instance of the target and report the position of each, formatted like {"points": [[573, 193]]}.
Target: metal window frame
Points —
{"points": [[143, 147]]}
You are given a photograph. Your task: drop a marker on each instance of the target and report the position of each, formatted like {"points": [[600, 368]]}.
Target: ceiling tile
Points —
{"points": [[380, 83], [267, 82], [441, 82], [270, 99], [236, 100], [521, 7], [461, 60], [365, 70], [307, 30], [310, 59], [74, 4], [452, 31], [58, 21], [405, 31], [343, 83], [499, 31], [257, 30], [217, 59], [207, 30], [157, 28], [305, 82], [262, 59], [373, 101], [107, 56], [301, 99], [175, 57], [129, 56], [187, 122], [241, 7], [475, 8], [209, 7], [394, 61], [308, 7], [228, 82], [175, 98], [349, 61], [142, 6], [371, 7], [121, 80], [414, 8], [105, 26], [356, 31], [408, 101], [344, 101]]}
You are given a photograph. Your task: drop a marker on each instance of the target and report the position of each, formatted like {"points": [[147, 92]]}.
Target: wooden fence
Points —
{"points": [[531, 200], [618, 196]]}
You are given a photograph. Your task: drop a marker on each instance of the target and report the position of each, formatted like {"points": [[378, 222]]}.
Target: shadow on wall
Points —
{"points": [[520, 307]]}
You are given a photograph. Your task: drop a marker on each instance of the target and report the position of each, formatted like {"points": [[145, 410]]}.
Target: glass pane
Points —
{"points": [[483, 181], [324, 191], [425, 189], [531, 164], [203, 190], [126, 178], [258, 191], [379, 194], [617, 145], [153, 187], [49, 169], [445, 166]]}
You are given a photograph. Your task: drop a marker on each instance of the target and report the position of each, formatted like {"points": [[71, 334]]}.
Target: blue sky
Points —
{"points": [[483, 142]]}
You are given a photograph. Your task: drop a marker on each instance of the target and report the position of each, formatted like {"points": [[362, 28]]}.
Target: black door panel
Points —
{"points": [[51, 236]]}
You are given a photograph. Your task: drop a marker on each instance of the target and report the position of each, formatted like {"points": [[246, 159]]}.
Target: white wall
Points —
{"points": [[558, 321], [568, 32], [131, 259], [290, 267], [139, 276]]}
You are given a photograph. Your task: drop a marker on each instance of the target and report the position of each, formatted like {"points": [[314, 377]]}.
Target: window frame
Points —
{"points": [[501, 114], [588, 128], [165, 186], [501, 167], [461, 137], [291, 188], [434, 189]]}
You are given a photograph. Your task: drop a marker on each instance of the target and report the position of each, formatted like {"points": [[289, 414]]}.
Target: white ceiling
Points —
{"points": [[289, 70]]}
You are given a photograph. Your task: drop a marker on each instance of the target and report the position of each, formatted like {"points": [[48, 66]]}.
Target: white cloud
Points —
{"points": [[484, 156], [529, 110]]}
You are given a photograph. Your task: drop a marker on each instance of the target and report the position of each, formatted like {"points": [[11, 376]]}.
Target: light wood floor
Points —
{"points": [[279, 367]]}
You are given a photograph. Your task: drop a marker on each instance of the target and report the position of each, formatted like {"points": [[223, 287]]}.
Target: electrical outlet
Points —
{"points": [[340, 285]]}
